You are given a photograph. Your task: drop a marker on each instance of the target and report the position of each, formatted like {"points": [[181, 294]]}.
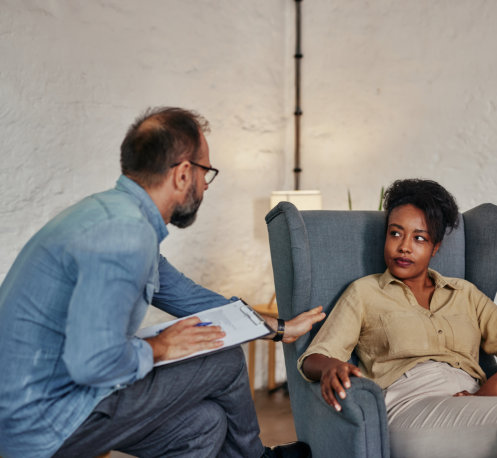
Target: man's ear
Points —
{"points": [[182, 176], [435, 249]]}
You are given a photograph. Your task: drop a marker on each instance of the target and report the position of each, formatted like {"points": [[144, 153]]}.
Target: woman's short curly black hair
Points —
{"points": [[439, 206]]}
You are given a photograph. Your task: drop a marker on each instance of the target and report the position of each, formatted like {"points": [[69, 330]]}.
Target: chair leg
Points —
{"points": [[271, 365]]}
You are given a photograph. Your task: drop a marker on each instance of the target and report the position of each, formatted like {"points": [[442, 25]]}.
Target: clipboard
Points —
{"points": [[238, 320]]}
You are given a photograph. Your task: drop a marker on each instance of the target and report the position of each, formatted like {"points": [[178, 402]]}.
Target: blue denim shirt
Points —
{"points": [[69, 308]]}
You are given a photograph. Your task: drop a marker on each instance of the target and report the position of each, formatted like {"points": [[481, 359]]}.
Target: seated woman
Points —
{"points": [[417, 334]]}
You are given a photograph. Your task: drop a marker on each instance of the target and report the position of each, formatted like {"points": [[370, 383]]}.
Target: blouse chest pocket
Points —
{"points": [[464, 336], [406, 333]]}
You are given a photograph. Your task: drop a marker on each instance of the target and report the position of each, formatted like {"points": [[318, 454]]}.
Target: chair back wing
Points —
{"points": [[481, 254], [289, 248], [481, 247]]}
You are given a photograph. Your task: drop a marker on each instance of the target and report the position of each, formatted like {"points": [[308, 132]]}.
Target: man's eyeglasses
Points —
{"points": [[210, 172]]}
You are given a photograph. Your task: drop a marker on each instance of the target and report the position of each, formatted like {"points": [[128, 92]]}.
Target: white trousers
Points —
{"points": [[426, 421]]}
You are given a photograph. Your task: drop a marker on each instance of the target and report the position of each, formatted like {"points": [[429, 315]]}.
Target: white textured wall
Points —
{"points": [[390, 89], [396, 89], [75, 74]]}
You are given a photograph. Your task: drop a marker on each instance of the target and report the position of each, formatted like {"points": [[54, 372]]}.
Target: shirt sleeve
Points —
{"points": [[340, 332], [110, 264], [180, 296]]}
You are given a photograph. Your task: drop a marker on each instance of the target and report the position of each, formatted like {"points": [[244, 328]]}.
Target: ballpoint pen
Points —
{"points": [[202, 323]]}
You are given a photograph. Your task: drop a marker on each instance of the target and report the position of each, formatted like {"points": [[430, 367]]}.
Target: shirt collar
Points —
{"points": [[145, 203], [439, 280]]}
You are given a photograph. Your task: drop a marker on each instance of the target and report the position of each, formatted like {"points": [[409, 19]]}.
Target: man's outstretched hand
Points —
{"points": [[302, 324], [298, 325]]}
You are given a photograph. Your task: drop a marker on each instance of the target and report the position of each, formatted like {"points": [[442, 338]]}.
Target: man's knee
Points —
{"points": [[230, 361], [237, 355], [214, 416]]}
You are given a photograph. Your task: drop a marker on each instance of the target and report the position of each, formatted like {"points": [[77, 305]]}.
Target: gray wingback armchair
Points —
{"points": [[315, 255]]}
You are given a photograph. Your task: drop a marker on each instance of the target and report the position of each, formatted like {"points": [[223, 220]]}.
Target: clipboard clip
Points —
{"points": [[251, 313]]}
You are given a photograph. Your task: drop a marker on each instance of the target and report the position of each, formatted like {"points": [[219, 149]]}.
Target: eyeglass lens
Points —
{"points": [[209, 176]]}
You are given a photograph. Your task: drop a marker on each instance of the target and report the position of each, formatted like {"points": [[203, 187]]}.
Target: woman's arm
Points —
{"points": [[333, 375]]}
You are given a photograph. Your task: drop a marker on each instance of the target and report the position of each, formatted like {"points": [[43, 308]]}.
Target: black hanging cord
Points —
{"points": [[298, 110]]}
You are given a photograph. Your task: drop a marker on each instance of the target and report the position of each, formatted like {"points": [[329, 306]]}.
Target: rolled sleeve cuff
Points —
{"points": [[145, 357], [300, 362]]}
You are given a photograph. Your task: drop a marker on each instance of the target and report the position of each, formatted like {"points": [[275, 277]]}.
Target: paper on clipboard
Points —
{"points": [[239, 321]]}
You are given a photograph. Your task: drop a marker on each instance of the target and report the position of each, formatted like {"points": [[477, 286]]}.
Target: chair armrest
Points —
{"points": [[359, 430]]}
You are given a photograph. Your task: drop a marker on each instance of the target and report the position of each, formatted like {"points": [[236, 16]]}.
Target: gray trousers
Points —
{"points": [[198, 408], [426, 421]]}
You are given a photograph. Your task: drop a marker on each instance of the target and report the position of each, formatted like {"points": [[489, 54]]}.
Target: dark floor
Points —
{"points": [[275, 419]]}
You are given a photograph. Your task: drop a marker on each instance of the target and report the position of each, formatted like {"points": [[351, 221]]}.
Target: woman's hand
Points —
{"points": [[462, 393], [333, 374]]}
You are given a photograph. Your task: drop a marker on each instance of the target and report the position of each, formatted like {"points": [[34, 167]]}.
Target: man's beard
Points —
{"points": [[184, 215]]}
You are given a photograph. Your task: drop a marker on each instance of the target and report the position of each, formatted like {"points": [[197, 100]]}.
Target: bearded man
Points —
{"points": [[75, 379]]}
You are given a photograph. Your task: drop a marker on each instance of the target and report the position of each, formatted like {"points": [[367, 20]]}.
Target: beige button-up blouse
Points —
{"points": [[379, 316]]}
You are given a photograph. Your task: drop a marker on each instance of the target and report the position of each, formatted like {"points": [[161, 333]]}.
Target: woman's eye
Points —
{"points": [[420, 238], [394, 233]]}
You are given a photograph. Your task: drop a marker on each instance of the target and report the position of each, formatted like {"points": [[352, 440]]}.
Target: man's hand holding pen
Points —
{"points": [[184, 338]]}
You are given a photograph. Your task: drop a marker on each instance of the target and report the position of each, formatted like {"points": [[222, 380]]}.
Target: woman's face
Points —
{"points": [[408, 245]]}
